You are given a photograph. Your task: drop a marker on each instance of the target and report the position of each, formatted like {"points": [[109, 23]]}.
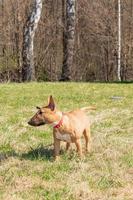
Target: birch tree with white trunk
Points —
{"points": [[28, 69], [69, 39]]}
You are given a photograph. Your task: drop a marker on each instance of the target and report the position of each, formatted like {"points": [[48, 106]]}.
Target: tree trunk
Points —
{"points": [[119, 41], [28, 70], [69, 39], [18, 42]]}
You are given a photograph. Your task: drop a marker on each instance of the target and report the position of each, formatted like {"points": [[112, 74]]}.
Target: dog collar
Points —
{"points": [[59, 123]]}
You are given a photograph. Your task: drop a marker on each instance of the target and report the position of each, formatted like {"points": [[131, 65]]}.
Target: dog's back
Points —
{"points": [[77, 120]]}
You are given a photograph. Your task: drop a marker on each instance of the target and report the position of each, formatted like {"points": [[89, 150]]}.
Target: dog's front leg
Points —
{"points": [[56, 147], [67, 146]]}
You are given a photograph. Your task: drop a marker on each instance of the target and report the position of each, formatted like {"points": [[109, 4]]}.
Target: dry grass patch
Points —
{"points": [[26, 167]]}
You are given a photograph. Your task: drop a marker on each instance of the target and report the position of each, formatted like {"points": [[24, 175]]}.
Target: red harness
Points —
{"points": [[59, 124]]}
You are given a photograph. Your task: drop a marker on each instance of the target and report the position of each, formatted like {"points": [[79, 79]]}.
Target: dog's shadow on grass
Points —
{"points": [[41, 152]]}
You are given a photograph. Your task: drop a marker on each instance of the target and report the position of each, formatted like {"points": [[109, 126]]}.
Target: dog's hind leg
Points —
{"points": [[79, 147], [87, 136]]}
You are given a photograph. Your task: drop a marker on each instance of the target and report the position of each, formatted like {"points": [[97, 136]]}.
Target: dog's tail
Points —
{"points": [[88, 108]]}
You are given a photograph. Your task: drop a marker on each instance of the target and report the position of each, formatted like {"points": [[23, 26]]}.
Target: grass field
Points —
{"points": [[27, 170]]}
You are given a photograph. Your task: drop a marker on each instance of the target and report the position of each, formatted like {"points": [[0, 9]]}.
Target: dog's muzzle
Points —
{"points": [[32, 123]]}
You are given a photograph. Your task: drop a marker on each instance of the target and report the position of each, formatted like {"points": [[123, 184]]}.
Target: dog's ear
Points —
{"points": [[51, 103]]}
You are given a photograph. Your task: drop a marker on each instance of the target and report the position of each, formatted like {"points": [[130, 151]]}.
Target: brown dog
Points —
{"points": [[68, 127]]}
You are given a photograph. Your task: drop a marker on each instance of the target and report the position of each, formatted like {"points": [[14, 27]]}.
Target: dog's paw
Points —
{"points": [[56, 158]]}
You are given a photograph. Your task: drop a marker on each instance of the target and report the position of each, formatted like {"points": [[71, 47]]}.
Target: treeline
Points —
{"points": [[95, 47]]}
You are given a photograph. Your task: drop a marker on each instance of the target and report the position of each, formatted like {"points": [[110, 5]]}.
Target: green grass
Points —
{"points": [[27, 170]]}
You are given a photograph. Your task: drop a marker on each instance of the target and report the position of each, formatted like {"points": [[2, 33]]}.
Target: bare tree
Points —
{"points": [[28, 70], [91, 54], [69, 39]]}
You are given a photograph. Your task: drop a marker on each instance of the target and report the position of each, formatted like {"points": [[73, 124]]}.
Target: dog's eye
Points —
{"points": [[39, 112]]}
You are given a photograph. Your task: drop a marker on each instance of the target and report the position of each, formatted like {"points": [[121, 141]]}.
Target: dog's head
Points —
{"points": [[45, 115]]}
